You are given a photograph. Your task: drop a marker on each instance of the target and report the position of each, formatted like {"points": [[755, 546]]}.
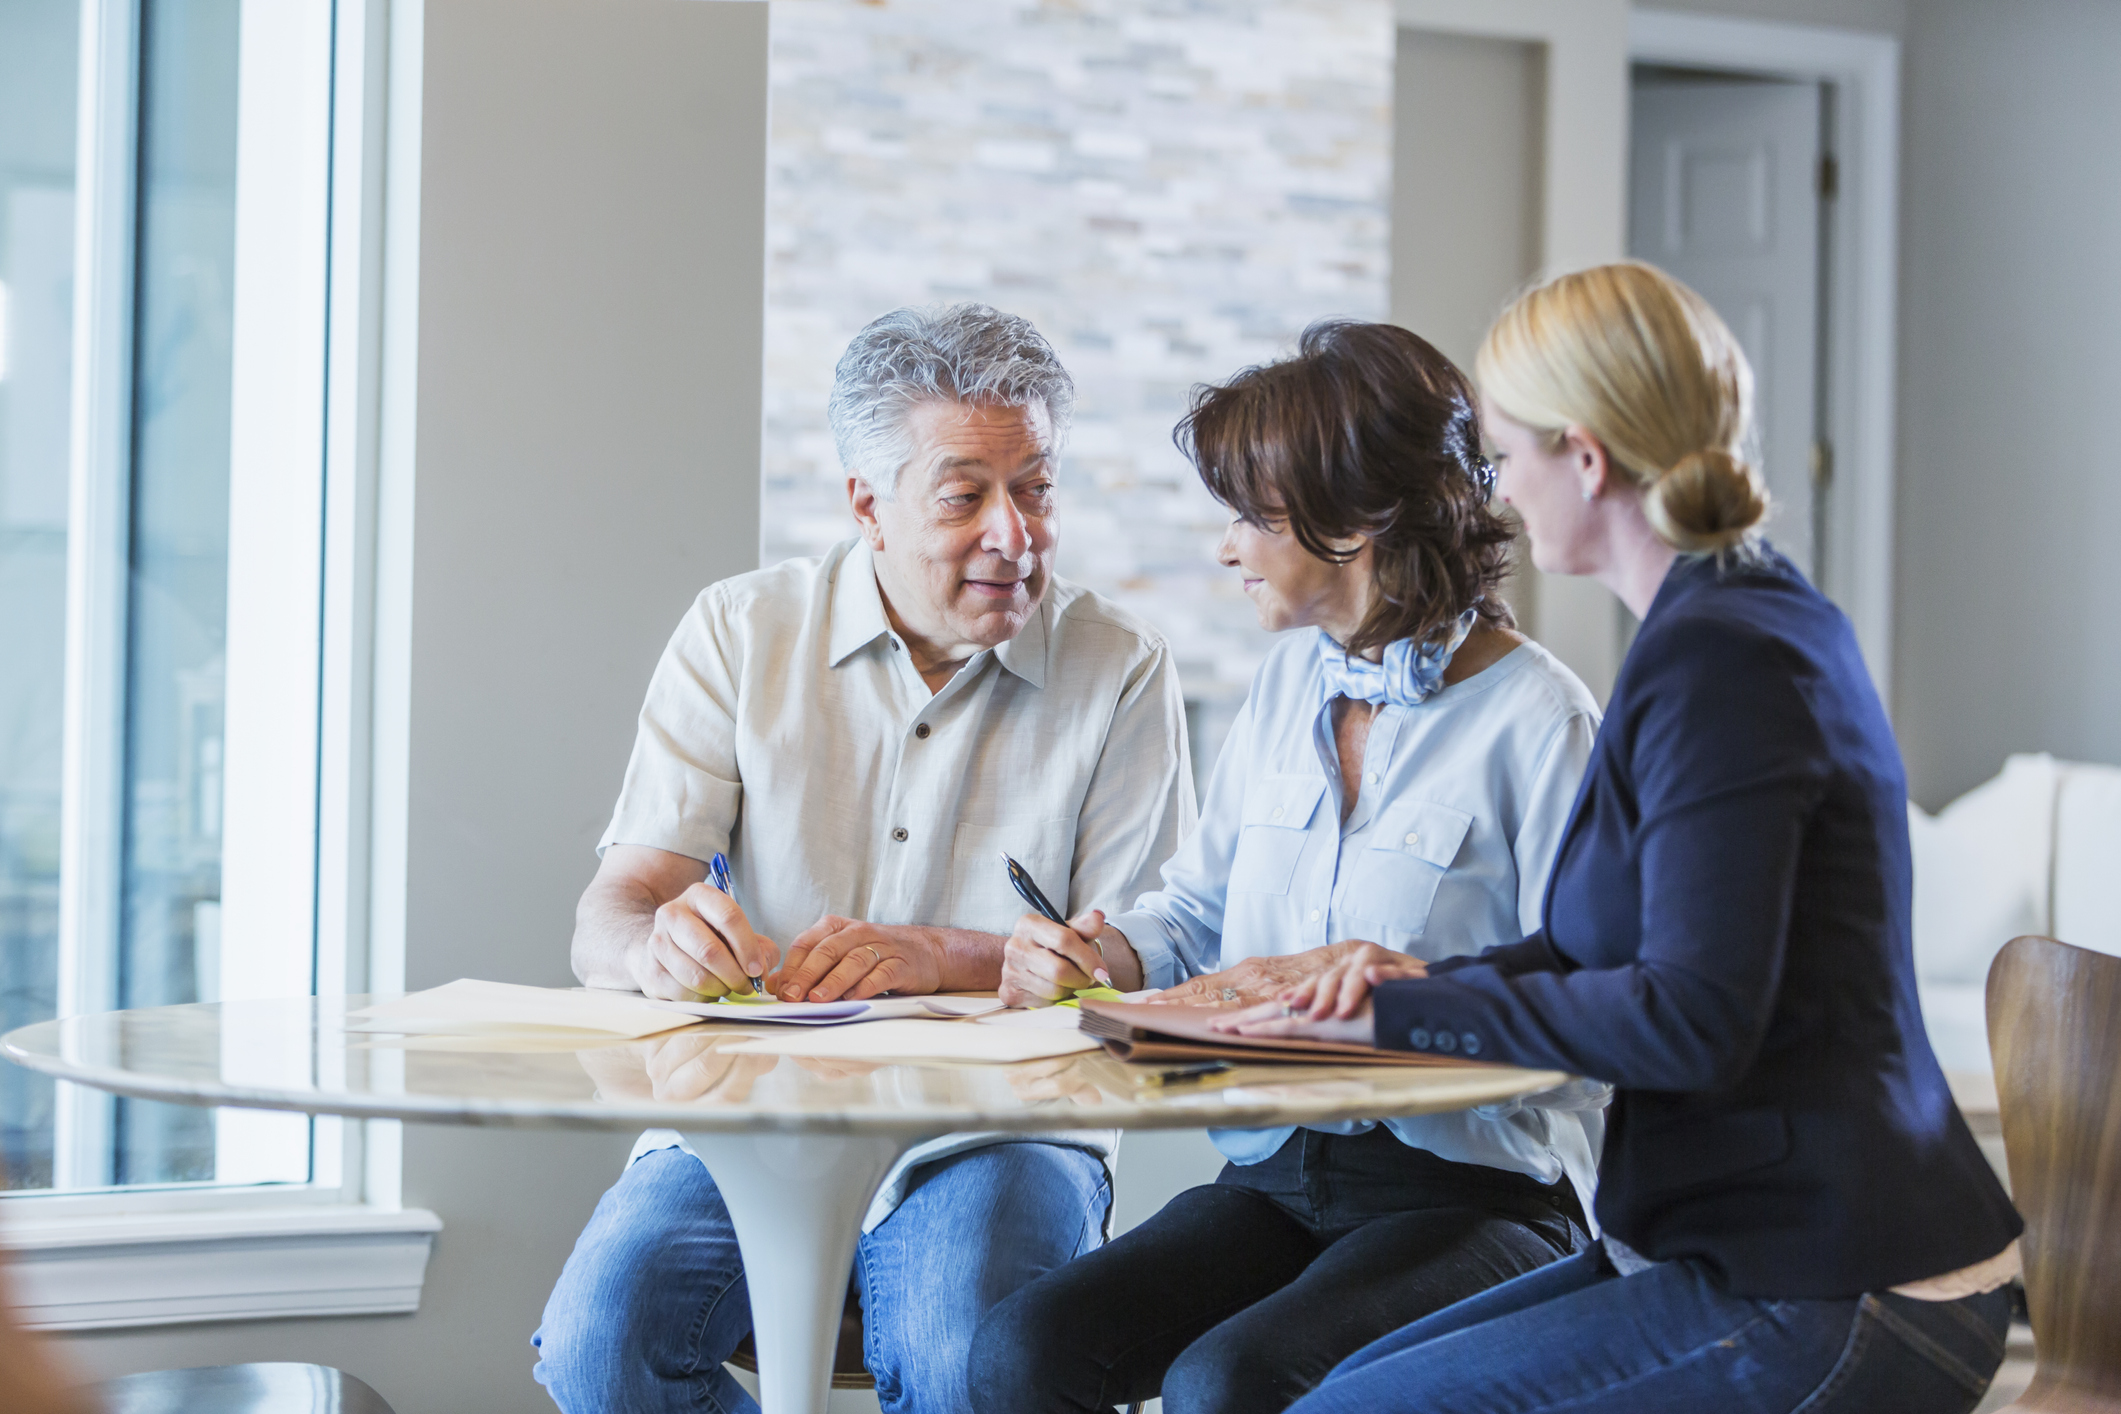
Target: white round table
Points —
{"points": [[781, 1134]]}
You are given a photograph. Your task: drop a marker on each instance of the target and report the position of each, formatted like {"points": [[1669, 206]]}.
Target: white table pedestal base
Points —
{"points": [[797, 1202]]}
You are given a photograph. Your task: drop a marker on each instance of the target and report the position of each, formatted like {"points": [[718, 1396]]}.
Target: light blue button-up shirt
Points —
{"points": [[1459, 812]]}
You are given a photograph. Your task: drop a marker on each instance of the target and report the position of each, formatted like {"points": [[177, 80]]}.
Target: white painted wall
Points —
{"points": [[1468, 112], [585, 447], [2008, 486], [2010, 476]]}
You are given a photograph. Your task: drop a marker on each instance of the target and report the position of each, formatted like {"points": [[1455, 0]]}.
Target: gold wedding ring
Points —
{"points": [[878, 958]]}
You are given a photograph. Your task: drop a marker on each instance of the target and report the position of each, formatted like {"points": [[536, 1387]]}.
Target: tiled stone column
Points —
{"points": [[1171, 191]]}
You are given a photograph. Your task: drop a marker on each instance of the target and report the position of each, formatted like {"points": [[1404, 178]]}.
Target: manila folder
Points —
{"points": [[1145, 1031]]}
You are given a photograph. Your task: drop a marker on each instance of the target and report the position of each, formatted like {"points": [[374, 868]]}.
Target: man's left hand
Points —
{"points": [[838, 959]]}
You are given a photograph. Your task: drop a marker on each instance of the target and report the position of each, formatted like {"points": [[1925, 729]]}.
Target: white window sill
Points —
{"points": [[93, 1273]]}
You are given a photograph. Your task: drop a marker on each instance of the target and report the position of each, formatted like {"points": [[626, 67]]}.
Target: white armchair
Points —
{"points": [[2035, 850]]}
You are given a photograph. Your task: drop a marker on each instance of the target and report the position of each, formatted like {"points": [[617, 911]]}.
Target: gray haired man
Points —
{"points": [[863, 734]]}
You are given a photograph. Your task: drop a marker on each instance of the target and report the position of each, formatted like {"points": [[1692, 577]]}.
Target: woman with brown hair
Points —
{"points": [[1795, 1216], [1393, 787]]}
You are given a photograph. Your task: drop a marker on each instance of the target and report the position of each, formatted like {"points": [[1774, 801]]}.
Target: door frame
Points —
{"points": [[1862, 278], [1583, 221]]}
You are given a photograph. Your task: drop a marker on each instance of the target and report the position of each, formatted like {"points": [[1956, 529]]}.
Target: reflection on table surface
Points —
{"points": [[296, 1054]]}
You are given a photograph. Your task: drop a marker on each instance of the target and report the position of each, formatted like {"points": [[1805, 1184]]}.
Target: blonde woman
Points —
{"points": [[1795, 1216]]}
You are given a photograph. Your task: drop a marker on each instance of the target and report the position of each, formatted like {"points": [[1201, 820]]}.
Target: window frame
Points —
{"points": [[313, 111]]}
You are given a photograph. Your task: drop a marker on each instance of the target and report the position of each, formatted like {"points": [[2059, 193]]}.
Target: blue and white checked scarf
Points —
{"points": [[1406, 676]]}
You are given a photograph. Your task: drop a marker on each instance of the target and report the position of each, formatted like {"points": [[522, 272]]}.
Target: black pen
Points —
{"points": [[1028, 890]]}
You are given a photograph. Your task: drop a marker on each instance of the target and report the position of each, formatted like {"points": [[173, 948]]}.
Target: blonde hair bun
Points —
{"points": [[1708, 501], [1643, 364]]}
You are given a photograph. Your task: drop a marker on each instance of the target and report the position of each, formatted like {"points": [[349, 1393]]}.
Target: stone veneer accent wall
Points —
{"points": [[1171, 191]]}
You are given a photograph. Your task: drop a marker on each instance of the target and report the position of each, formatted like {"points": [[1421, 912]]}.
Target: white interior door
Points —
{"points": [[1724, 193]]}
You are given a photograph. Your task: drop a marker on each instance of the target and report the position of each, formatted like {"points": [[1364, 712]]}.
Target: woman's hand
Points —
{"points": [[1333, 1005], [1337, 992], [1265, 979], [1255, 980], [1044, 962]]}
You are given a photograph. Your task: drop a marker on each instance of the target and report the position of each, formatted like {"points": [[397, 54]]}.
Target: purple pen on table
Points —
{"points": [[718, 875]]}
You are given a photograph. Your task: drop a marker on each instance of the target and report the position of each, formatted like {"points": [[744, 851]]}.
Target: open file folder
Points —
{"points": [[1135, 1031]]}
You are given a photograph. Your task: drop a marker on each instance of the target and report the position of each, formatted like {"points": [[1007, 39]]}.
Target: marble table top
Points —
{"points": [[297, 1055]]}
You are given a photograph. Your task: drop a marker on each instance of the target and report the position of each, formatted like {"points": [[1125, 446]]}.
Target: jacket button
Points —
{"points": [[1418, 1038], [899, 834], [921, 731], [1446, 1042], [1469, 1043]]}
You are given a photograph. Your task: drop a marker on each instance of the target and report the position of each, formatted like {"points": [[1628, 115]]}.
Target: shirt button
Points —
{"points": [[1445, 1041], [899, 834], [894, 645], [1413, 839], [921, 731], [1469, 1043], [1277, 813], [1371, 778], [1418, 1038], [1314, 915]]}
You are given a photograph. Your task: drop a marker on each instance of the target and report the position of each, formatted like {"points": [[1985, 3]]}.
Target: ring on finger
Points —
{"points": [[1229, 994], [876, 959], [1287, 1009]]}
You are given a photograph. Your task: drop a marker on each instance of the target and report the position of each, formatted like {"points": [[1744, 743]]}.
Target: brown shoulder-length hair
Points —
{"points": [[1367, 430]]}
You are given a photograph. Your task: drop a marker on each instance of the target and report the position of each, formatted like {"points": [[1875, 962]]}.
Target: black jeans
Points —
{"points": [[1242, 1295]]}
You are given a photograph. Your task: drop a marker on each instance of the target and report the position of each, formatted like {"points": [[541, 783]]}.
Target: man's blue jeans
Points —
{"points": [[652, 1301], [1576, 1336]]}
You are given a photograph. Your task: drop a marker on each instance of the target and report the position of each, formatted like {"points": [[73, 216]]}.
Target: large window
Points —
{"points": [[164, 173]]}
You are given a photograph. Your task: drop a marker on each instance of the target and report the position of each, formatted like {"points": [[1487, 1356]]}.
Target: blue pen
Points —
{"points": [[718, 875]]}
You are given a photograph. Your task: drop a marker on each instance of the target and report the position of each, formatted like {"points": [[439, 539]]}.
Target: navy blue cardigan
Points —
{"points": [[1726, 940]]}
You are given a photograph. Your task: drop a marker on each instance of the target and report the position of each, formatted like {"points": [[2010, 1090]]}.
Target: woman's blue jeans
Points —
{"points": [[1579, 1337], [652, 1301]]}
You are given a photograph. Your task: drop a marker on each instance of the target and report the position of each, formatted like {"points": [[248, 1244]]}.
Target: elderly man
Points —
{"points": [[864, 734]]}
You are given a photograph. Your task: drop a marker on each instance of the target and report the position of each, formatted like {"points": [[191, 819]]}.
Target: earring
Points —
{"points": [[1588, 495]]}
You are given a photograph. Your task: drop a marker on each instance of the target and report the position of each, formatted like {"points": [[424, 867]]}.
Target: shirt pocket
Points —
{"points": [[1273, 828], [981, 896], [1394, 881]]}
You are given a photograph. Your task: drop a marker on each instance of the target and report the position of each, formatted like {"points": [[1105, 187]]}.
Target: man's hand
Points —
{"points": [[687, 1067], [701, 946], [844, 958], [649, 922], [1044, 962]]}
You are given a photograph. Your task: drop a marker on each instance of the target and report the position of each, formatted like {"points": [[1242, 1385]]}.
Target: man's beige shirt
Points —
{"points": [[787, 727]]}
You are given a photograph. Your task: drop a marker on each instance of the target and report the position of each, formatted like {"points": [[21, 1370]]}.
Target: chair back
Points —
{"points": [[2054, 1026]]}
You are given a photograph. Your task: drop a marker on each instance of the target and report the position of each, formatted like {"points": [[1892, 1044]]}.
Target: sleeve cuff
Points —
{"points": [[1152, 948]]}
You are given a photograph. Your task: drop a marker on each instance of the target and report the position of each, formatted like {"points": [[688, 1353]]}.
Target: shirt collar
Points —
{"points": [[1025, 654], [858, 619], [857, 605]]}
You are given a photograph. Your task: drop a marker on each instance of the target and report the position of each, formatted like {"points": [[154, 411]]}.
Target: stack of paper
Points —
{"points": [[471, 1008]]}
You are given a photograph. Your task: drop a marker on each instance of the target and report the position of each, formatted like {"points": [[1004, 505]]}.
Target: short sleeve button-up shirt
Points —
{"points": [[787, 727]]}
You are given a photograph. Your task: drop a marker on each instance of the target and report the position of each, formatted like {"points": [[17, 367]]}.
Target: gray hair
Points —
{"points": [[968, 353]]}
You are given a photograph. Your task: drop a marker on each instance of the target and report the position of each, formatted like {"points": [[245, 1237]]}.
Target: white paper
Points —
{"points": [[827, 1013], [900, 1039], [468, 1007]]}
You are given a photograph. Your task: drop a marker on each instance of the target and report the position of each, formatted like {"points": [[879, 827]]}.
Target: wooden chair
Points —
{"points": [[849, 1370], [269, 1388], [2054, 1025]]}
